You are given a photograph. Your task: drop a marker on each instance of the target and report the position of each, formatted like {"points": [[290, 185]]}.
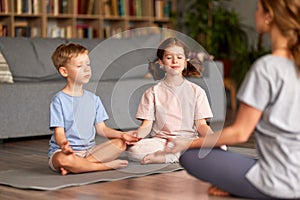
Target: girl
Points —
{"points": [[269, 105], [173, 107]]}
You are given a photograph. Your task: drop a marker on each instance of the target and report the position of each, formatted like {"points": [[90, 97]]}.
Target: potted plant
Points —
{"points": [[218, 30]]}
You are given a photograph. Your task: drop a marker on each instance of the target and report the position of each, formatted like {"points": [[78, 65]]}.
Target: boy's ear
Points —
{"points": [[63, 71]]}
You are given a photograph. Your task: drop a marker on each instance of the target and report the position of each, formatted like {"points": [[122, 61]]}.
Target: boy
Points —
{"points": [[76, 115]]}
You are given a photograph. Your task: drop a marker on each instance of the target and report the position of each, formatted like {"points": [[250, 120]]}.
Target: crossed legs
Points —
{"points": [[225, 170], [102, 157]]}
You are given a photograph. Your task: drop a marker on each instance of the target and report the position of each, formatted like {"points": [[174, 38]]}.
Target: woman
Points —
{"points": [[270, 105]]}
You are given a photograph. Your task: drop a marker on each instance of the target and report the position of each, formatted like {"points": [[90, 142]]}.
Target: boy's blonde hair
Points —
{"points": [[64, 52]]}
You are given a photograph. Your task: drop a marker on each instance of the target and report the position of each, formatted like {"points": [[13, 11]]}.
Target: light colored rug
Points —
{"points": [[42, 178]]}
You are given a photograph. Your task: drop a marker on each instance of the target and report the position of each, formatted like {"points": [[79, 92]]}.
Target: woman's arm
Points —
{"points": [[239, 132]]}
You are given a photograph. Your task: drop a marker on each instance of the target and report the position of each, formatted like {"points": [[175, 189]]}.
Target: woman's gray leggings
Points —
{"points": [[223, 169]]}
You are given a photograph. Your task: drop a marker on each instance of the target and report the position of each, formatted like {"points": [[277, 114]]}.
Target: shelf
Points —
{"points": [[68, 18]]}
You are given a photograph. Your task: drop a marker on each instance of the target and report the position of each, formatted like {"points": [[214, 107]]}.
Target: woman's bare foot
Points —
{"points": [[157, 157], [116, 164], [215, 191]]}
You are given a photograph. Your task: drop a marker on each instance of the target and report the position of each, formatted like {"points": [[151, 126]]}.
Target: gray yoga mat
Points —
{"points": [[42, 178]]}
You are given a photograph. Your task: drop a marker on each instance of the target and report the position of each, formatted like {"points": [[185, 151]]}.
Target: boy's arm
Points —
{"points": [[61, 140], [108, 132]]}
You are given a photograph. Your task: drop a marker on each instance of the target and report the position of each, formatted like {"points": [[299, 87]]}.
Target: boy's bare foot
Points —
{"points": [[157, 157], [117, 164], [63, 171], [215, 191]]}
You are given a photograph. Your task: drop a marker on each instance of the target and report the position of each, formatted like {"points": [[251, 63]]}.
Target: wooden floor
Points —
{"points": [[30, 152]]}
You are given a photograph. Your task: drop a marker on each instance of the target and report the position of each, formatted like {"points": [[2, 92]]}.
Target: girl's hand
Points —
{"points": [[131, 137], [66, 148], [175, 145]]}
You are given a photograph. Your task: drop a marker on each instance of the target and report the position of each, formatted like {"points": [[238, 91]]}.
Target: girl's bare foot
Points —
{"points": [[215, 191], [117, 164], [157, 157]]}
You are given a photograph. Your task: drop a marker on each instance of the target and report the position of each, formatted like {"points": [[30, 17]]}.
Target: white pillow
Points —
{"points": [[5, 74]]}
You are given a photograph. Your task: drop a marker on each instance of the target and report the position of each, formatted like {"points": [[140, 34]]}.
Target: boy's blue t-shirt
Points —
{"points": [[77, 115]]}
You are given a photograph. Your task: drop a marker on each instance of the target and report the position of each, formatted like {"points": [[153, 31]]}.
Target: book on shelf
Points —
{"points": [[57, 7], [23, 29], [90, 7], [114, 7], [106, 8], [85, 31], [55, 31], [36, 7], [111, 31], [162, 8], [167, 9], [27, 6], [4, 6], [85, 7], [135, 8], [122, 8], [3, 30]]}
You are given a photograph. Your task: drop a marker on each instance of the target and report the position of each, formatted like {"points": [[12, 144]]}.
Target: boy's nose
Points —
{"points": [[87, 68]]}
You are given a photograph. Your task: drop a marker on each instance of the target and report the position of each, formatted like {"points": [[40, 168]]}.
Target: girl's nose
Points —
{"points": [[174, 59]]}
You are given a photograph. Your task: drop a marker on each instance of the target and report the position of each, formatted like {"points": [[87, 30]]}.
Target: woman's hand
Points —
{"points": [[175, 145]]}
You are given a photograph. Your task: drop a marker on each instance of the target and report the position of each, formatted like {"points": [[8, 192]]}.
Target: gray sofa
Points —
{"points": [[118, 67]]}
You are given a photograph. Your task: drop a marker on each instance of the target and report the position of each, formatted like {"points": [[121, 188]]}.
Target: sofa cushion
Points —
{"points": [[5, 74], [115, 58], [89, 43], [29, 59]]}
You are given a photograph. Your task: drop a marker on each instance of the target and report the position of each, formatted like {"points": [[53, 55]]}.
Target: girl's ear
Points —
{"points": [[160, 62], [63, 71]]}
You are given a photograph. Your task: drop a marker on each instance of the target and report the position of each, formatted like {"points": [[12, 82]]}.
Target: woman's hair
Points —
{"points": [[194, 66], [286, 15], [64, 52]]}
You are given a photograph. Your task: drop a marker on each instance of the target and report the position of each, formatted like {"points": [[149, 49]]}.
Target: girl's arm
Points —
{"points": [[202, 127], [145, 128], [239, 132]]}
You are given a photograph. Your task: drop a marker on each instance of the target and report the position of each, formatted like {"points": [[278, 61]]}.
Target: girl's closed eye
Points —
{"points": [[177, 56]]}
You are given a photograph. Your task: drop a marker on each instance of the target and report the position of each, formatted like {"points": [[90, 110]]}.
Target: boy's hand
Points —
{"points": [[66, 148], [131, 137]]}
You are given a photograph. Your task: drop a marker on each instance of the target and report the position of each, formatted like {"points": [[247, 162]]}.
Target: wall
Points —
{"points": [[246, 10]]}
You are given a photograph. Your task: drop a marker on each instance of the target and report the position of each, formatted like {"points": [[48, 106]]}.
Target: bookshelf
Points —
{"points": [[81, 18]]}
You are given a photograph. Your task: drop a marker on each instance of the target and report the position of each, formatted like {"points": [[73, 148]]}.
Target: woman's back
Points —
{"points": [[278, 130]]}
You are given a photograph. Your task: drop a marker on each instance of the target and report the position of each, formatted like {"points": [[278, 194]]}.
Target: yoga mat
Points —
{"points": [[42, 178]]}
